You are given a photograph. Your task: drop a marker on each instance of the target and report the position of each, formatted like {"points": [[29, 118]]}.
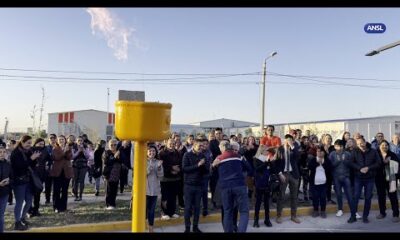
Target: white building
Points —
{"points": [[96, 124], [368, 127]]}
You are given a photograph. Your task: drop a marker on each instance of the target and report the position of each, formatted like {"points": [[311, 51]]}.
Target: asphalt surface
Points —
{"points": [[309, 224]]}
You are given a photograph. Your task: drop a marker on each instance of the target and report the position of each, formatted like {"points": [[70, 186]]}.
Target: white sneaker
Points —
{"points": [[165, 217], [175, 216], [110, 208], [358, 216], [339, 213]]}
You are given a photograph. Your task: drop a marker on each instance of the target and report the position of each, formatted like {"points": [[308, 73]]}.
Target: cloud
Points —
{"points": [[108, 26]]}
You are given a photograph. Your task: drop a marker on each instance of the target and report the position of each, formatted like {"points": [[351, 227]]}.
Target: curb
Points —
{"points": [[212, 218]]}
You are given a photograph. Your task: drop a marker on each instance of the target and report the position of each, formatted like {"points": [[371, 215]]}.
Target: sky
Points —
{"points": [[309, 41]]}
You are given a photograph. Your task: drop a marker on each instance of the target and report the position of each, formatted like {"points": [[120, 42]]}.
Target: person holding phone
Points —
{"points": [[80, 156], [22, 158], [42, 162], [111, 173], [5, 186]]}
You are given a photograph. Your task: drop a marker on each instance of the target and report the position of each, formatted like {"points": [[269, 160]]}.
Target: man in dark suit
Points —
{"points": [[287, 157]]}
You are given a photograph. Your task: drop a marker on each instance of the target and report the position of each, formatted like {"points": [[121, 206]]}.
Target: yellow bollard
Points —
{"points": [[141, 122], [139, 188]]}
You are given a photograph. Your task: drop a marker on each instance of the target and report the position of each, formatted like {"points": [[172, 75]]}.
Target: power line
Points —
{"points": [[188, 80], [338, 78], [123, 79], [336, 83], [118, 73]]}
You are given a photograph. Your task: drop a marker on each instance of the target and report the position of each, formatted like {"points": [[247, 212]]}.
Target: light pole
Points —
{"points": [[263, 90], [386, 47]]}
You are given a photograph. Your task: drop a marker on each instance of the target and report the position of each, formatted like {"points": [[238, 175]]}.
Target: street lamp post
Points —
{"points": [[263, 90], [386, 47]]}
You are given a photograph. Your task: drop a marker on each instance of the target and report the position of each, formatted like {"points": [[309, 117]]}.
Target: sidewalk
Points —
{"points": [[308, 224], [214, 222]]}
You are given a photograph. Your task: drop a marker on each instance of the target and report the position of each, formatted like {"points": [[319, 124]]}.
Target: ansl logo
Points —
{"points": [[374, 28]]}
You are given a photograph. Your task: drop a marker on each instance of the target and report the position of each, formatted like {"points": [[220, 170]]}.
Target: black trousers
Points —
{"points": [[329, 180], [213, 185], [181, 200], [192, 200], [305, 179], [36, 203], [48, 183], [382, 187], [123, 181], [262, 195], [169, 192], [60, 193], [111, 193], [10, 196]]}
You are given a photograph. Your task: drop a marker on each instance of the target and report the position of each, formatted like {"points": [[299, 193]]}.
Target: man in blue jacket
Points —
{"points": [[233, 186], [194, 166]]}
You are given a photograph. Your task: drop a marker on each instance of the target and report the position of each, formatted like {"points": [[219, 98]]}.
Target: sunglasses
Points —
{"points": [[113, 145]]}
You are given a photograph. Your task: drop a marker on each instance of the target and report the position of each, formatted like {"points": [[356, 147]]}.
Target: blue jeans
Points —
{"points": [[23, 196], [192, 201], [229, 197], [345, 184], [204, 194], [3, 205], [368, 185], [151, 208]]}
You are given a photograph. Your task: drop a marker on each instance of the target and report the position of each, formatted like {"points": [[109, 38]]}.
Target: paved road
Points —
{"points": [[309, 224]]}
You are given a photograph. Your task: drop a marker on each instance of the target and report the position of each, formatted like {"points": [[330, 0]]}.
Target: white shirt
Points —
{"points": [[287, 159], [320, 177]]}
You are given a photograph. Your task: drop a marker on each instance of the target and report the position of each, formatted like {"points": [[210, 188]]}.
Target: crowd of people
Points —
{"points": [[236, 170], [28, 167]]}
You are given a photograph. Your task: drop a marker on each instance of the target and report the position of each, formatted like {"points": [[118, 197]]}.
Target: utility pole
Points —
{"points": [[41, 111], [33, 116], [263, 96], [5, 130], [263, 91], [108, 101]]}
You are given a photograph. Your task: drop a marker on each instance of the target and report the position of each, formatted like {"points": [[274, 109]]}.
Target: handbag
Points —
{"points": [[37, 183], [274, 183]]}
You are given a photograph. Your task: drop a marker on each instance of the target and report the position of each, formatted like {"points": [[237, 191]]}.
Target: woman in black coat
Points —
{"points": [[22, 159], [5, 183], [320, 167], [111, 173], [98, 164], [263, 169], [40, 168]]}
